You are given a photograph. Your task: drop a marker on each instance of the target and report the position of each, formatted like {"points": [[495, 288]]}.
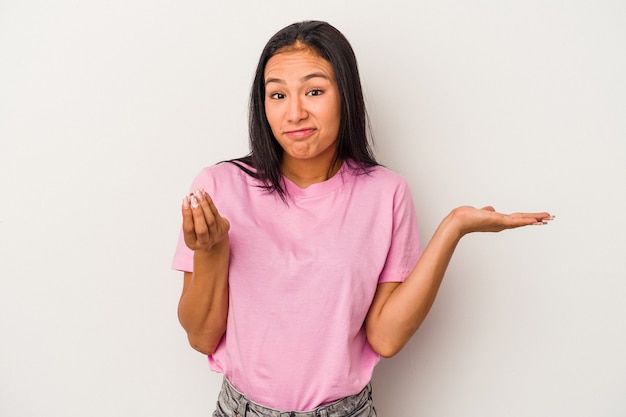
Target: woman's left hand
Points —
{"points": [[469, 219]]}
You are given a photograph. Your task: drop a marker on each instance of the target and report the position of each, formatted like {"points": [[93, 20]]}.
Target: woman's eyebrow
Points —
{"points": [[315, 75], [303, 79]]}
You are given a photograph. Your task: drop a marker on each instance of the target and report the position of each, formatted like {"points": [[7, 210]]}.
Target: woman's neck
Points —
{"points": [[304, 173]]}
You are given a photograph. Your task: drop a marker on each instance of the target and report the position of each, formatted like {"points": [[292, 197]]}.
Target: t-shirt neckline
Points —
{"points": [[318, 188]]}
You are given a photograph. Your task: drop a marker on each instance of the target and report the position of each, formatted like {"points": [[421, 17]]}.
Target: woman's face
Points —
{"points": [[303, 106]]}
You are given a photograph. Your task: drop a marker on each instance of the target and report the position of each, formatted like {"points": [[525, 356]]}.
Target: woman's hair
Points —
{"points": [[354, 135]]}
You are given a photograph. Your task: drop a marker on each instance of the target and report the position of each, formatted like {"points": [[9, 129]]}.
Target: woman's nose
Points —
{"points": [[297, 110]]}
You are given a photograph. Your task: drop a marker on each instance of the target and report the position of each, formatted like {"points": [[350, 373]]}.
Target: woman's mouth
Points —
{"points": [[300, 133]]}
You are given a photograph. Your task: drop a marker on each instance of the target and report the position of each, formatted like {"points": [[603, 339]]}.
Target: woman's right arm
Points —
{"points": [[203, 305]]}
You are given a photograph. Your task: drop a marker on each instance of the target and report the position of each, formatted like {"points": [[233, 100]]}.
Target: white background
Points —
{"points": [[109, 108]]}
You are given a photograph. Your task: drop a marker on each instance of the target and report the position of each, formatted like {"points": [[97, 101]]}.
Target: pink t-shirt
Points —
{"points": [[302, 277]]}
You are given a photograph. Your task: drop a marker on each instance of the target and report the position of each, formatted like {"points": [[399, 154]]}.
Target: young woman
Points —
{"points": [[311, 269]]}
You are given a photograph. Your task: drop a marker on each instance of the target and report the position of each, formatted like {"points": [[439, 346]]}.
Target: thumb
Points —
{"points": [[226, 223]]}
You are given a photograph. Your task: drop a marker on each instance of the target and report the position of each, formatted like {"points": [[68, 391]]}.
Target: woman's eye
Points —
{"points": [[315, 92], [277, 96]]}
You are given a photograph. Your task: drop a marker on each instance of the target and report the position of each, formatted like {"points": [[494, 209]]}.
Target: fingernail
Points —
{"points": [[199, 193], [194, 202], [186, 203]]}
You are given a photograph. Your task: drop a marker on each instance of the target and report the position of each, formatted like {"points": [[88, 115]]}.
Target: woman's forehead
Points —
{"points": [[296, 60]]}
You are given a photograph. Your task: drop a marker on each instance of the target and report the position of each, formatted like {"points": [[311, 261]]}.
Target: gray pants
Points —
{"points": [[232, 403]]}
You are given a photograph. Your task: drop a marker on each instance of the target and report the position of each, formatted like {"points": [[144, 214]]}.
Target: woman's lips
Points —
{"points": [[300, 133]]}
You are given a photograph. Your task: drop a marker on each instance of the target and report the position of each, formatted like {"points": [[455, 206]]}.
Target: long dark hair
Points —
{"points": [[353, 145]]}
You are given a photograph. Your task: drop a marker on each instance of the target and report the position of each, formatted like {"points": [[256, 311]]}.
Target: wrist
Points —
{"points": [[219, 249], [453, 225]]}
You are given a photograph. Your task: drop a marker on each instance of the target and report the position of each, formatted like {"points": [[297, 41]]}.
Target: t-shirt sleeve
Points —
{"points": [[183, 256], [405, 248]]}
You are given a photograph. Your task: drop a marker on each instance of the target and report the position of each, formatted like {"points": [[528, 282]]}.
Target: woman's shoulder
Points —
{"points": [[225, 174], [377, 174], [228, 170]]}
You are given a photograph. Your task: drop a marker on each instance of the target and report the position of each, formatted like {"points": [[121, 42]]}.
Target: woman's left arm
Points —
{"points": [[398, 309]]}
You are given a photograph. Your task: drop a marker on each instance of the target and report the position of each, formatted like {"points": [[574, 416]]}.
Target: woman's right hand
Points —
{"points": [[203, 227]]}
